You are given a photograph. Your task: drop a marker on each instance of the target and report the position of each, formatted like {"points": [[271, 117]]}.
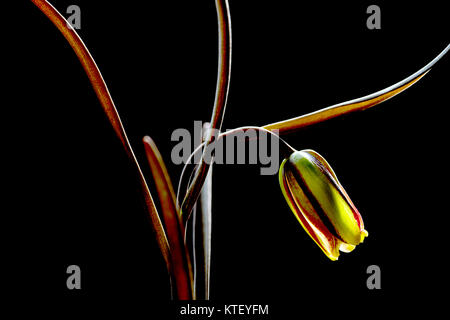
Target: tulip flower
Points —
{"points": [[320, 203]]}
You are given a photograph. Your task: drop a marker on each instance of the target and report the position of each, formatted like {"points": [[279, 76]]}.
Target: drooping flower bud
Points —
{"points": [[320, 203]]}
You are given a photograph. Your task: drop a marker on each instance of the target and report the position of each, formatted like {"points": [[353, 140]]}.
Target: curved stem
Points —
{"points": [[286, 151], [223, 83], [107, 103], [359, 104]]}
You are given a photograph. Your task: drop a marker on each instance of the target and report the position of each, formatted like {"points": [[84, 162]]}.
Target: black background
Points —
{"points": [[70, 189]]}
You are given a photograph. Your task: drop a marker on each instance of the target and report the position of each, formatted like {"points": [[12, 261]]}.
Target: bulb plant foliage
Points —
{"points": [[309, 185]]}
